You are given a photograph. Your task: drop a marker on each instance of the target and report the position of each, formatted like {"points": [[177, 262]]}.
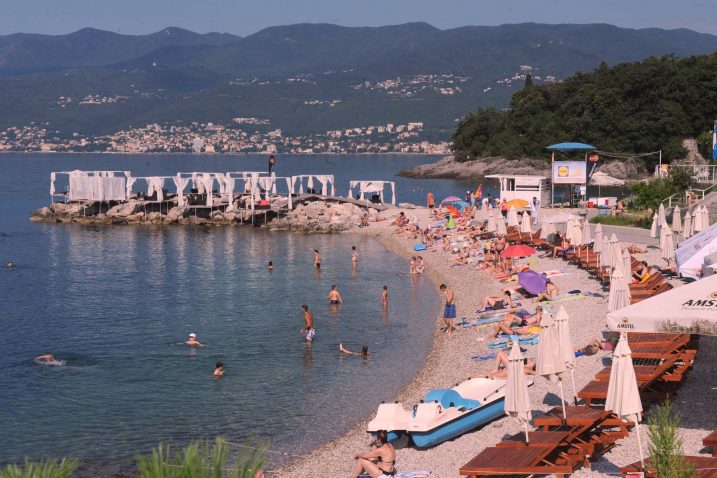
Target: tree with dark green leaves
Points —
{"points": [[629, 108]]}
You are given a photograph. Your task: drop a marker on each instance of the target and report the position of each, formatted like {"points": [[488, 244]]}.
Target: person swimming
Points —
{"points": [[48, 359], [335, 296], [10, 265], [363, 353], [271, 265], [218, 370], [193, 342]]}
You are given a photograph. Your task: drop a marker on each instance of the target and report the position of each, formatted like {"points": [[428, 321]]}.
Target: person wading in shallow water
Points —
{"points": [[308, 328], [317, 259], [334, 296], [449, 311]]}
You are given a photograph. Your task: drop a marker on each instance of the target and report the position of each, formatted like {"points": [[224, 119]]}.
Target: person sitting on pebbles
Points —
{"points": [[378, 462]]}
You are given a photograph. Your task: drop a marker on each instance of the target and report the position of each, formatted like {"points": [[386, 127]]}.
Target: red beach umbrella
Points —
{"points": [[455, 212], [518, 250]]}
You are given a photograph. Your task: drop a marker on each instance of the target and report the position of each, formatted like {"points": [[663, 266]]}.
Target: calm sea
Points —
{"points": [[116, 302]]}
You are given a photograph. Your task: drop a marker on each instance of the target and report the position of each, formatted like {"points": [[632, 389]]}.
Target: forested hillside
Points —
{"points": [[630, 108]]}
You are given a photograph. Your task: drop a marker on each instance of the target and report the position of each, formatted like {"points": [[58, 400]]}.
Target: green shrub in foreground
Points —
{"points": [[623, 220], [200, 460], [666, 451], [42, 469]]}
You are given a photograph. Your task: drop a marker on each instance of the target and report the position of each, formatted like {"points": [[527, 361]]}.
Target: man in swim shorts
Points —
{"points": [[334, 296], [449, 311], [308, 328]]}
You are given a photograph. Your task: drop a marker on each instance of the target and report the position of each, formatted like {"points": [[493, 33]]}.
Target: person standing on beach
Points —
{"points": [[449, 311], [308, 328], [335, 296], [317, 259], [272, 163], [430, 201], [534, 209]]}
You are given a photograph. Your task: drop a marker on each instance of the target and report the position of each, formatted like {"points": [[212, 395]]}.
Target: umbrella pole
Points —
{"points": [[639, 442], [562, 400], [526, 433], [572, 379]]}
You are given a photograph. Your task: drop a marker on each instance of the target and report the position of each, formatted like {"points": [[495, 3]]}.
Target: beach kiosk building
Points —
{"points": [[523, 187]]}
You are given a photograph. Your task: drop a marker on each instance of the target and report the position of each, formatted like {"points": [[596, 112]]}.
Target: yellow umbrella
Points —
{"points": [[516, 203]]}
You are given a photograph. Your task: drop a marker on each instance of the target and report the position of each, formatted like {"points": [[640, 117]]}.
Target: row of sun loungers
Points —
{"points": [[561, 445]]}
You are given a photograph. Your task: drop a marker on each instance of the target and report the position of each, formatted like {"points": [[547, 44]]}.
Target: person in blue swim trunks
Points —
{"points": [[449, 311]]}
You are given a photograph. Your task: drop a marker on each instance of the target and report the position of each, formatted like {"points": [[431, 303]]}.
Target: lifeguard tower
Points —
{"points": [[523, 187]]}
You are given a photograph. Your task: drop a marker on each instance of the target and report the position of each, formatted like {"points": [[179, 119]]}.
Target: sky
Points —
{"points": [[244, 17]]}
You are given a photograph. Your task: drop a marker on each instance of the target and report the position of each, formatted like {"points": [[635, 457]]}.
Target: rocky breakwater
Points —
{"points": [[132, 212], [322, 217], [449, 168]]}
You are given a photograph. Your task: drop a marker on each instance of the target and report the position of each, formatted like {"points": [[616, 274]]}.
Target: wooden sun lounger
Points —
{"points": [[705, 467], [527, 460], [711, 441], [655, 338]]}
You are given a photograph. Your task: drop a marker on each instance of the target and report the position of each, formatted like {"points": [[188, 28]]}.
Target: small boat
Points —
{"points": [[443, 413]]}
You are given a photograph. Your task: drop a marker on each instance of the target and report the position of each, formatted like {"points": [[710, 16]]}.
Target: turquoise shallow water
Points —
{"points": [[115, 302]]}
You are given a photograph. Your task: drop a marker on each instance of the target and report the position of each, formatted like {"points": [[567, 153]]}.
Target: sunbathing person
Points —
{"points": [[561, 245], [378, 462], [497, 302], [527, 324], [501, 366], [642, 274], [550, 293], [635, 249]]}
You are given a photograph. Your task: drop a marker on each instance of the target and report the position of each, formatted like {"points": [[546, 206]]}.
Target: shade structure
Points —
{"points": [[562, 321], [619, 296], [653, 227], [687, 225], [627, 267], [525, 226], [587, 237], [518, 250], [570, 147], [598, 243], [533, 282], [517, 399], [500, 226], [452, 211], [517, 203], [549, 362], [676, 220], [623, 395], [661, 219], [691, 253], [668, 249], [513, 220], [688, 309], [491, 226], [577, 234]]}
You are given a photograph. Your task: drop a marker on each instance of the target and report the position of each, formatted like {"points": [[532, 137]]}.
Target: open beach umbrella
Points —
{"points": [[513, 217], [562, 320], [676, 220], [587, 237], [623, 396], [454, 212], [533, 282], [517, 399], [492, 225], [619, 295], [598, 243], [653, 228], [668, 250], [517, 203], [549, 362], [518, 250], [525, 227], [627, 267], [687, 225], [500, 226]]}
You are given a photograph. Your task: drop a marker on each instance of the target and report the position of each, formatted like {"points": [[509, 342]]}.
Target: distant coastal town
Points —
{"points": [[217, 138]]}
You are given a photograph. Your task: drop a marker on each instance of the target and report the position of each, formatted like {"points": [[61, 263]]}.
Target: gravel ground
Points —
{"points": [[449, 362]]}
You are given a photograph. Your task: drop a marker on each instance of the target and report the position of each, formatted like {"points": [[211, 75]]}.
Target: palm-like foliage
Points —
{"points": [[42, 469]]}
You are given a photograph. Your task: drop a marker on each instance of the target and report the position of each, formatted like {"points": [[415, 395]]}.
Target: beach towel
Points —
{"points": [[484, 321], [484, 357], [406, 474], [556, 273], [566, 298], [502, 343], [518, 310], [419, 247]]}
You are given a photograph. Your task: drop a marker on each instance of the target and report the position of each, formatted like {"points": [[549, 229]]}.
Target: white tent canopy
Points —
{"points": [[691, 308], [373, 187], [93, 185], [691, 253], [326, 180]]}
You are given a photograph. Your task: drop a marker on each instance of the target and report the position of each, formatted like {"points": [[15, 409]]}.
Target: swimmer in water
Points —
{"points": [[271, 266], [317, 259], [193, 342], [10, 265], [308, 328], [384, 295], [354, 255], [334, 296], [48, 359], [218, 370], [363, 353]]}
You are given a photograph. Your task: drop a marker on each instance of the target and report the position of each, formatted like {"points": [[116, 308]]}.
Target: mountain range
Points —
{"points": [[303, 78]]}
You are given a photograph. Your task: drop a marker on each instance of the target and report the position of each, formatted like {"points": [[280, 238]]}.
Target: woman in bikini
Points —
{"points": [[381, 461], [497, 302], [526, 324]]}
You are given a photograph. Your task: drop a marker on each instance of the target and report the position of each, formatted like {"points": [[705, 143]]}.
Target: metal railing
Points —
{"points": [[705, 173], [680, 198]]}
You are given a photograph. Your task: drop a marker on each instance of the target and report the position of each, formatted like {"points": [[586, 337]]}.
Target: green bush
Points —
{"points": [[43, 469], [623, 220], [200, 460], [665, 449], [649, 194]]}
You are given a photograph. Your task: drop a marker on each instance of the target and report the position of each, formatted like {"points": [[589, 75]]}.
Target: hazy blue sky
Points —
{"points": [[245, 17]]}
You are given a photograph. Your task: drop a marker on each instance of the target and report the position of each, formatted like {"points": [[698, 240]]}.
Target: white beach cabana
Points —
{"points": [[326, 180], [691, 253], [373, 187], [688, 309], [100, 186]]}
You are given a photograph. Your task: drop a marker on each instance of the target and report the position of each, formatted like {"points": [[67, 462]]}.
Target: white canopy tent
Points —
{"points": [[326, 180], [155, 184], [374, 187], [92, 185], [691, 308], [691, 253]]}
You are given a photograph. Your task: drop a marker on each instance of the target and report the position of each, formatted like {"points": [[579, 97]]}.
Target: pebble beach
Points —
{"points": [[451, 360]]}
